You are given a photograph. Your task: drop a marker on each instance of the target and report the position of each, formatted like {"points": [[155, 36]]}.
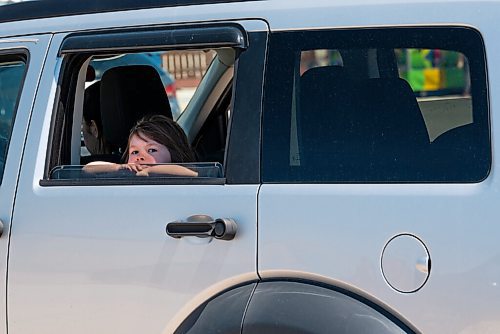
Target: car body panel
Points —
{"points": [[339, 231], [296, 15], [82, 259], [121, 262], [35, 48]]}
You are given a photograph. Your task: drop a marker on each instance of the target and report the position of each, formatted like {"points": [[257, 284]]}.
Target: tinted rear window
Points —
{"points": [[376, 106]]}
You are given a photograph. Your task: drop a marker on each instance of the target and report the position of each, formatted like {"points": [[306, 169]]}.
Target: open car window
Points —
{"points": [[105, 94]]}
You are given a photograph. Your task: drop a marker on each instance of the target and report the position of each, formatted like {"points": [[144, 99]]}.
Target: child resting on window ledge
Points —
{"points": [[153, 140]]}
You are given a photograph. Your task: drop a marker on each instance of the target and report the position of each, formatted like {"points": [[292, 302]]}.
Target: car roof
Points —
{"points": [[53, 8], [279, 15]]}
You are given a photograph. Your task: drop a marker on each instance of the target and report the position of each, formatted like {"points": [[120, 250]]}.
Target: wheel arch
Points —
{"points": [[284, 303]]}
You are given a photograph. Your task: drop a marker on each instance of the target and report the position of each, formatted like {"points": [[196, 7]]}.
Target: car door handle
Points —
{"points": [[203, 226]]}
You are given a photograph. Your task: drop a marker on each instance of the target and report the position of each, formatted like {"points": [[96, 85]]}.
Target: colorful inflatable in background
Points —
{"points": [[434, 72]]}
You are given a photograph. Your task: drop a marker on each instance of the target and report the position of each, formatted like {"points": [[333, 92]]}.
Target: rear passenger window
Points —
{"points": [[12, 71], [178, 100], [376, 106]]}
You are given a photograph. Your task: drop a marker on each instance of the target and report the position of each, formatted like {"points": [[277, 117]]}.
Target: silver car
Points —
{"points": [[345, 169]]}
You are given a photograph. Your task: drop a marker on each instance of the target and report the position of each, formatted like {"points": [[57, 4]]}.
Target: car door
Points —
{"points": [[376, 164], [21, 60], [93, 256]]}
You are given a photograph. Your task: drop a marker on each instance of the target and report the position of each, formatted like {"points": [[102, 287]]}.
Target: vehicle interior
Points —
{"points": [[358, 64], [124, 94], [364, 115]]}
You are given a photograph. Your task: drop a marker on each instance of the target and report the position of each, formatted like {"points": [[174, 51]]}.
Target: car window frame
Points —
{"points": [[74, 58]]}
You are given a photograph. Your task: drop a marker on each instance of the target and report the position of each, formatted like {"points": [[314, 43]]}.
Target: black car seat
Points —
{"points": [[327, 99], [359, 130], [457, 153], [129, 93], [396, 141]]}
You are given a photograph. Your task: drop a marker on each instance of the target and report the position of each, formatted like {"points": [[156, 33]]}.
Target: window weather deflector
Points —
{"points": [[211, 36]]}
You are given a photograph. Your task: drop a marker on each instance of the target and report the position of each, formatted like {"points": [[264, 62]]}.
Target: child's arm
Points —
{"points": [[107, 167], [140, 170], [167, 170]]}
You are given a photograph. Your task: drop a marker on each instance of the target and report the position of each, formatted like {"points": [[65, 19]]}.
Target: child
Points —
{"points": [[153, 140]]}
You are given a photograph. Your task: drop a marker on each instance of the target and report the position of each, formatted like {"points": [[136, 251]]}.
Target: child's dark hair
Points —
{"points": [[165, 131]]}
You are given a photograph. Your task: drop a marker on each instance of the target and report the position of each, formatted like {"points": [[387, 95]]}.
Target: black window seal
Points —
{"points": [[66, 88], [134, 181], [243, 152]]}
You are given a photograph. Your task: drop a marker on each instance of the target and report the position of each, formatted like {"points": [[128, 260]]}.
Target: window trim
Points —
{"points": [[147, 180], [244, 152]]}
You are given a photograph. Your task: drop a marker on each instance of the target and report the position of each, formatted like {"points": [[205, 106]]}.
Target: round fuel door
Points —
{"points": [[405, 263]]}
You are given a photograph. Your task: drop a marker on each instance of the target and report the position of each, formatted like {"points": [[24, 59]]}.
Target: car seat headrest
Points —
{"points": [[359, 129], [129, 93]]}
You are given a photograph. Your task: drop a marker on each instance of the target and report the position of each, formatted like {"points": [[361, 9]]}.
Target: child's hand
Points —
{"points": [[137, 168], [143, 171]]}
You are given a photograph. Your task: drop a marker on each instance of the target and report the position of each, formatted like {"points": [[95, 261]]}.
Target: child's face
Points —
{"points": [[143, 150]]}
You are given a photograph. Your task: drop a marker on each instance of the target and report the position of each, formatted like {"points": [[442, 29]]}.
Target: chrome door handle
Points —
{"points": [[203, 226]]}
